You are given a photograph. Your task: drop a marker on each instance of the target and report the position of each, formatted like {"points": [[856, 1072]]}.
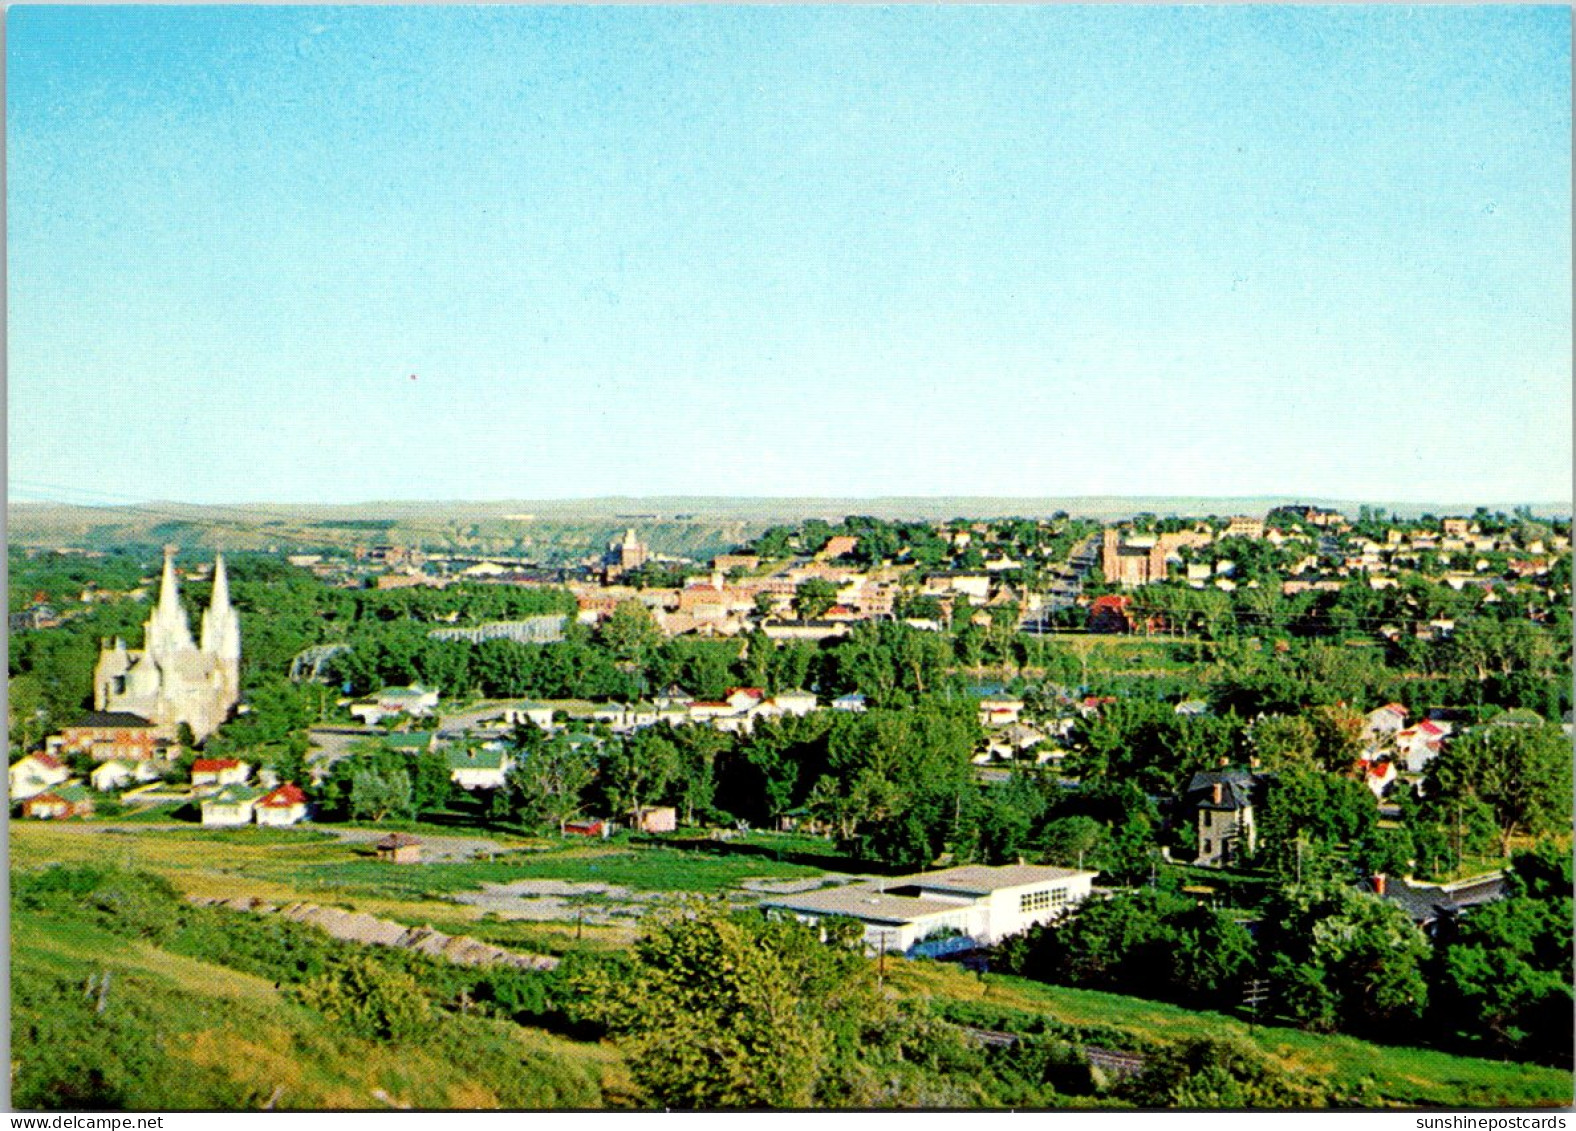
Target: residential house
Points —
{"points": [[1378, 774], [231, 806], [479, 767], [541, 714], [59, 803], [220, 772], [794, 702], [1430, 905], [1381, 725], [658, 819], [284, 805], [982, 904], [1420, 744], [119, 735], [1000, 712], [1013, 741], [415, 701], [115, 775], [1111, 613], [853, 701], [33, 774], [1222, 803], [838, 546]]}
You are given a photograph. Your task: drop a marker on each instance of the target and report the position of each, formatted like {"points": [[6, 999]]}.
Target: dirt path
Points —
{"points": [[440, 847], [359, 927]]}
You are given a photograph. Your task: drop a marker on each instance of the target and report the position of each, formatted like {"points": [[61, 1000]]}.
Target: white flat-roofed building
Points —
{"points": [[984, 903]]}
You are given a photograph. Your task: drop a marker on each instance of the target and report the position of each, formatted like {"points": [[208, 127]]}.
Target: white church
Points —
{"points": [[172, 680]]}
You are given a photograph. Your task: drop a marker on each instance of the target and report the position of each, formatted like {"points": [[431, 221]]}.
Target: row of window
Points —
{"points": [[1040, 900]]}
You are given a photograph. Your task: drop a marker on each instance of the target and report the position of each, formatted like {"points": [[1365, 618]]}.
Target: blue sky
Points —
{"points": [[789, 251]]}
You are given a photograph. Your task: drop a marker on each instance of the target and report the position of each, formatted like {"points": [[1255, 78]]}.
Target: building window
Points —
{"points": [[1206, 848], [1042, 900]]}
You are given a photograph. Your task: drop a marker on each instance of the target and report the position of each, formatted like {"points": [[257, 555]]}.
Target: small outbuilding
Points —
{"points": [[658, 819], [400, 848]]}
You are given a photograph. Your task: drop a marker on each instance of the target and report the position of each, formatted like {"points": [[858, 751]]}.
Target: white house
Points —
{"points": [[794, 702], [115, 774], [231, 806], [1380, 726], [527, 712], [1000, 712], [983, 903], [36, 773], [1420, 744], [220, 771], [483, 767], [282, 806], [415, 701]]}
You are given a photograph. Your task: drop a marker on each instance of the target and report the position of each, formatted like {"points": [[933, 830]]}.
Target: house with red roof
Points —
{"points": [[59, 802], [1420, 744], [1378, 775], [220, 771], [1111, 613], [284, 805], [1380, 726]]}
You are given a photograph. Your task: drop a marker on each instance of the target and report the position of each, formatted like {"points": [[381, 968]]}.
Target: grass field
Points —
{"points": [[285, 864]]}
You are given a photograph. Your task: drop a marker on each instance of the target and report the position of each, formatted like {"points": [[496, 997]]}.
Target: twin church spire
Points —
{"points": [[172, 680]]}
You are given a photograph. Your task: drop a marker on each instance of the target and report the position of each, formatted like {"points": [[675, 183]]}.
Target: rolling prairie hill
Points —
{"points": [[555, 530]]}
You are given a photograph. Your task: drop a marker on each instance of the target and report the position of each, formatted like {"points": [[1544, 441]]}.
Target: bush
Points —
{"points": [[370, 1000]]}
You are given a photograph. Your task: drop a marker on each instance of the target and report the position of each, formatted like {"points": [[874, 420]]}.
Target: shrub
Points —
{"points": [[370, 1000]]}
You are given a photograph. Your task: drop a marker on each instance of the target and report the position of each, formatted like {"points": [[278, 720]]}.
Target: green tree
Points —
{"points": [[378, 793], [1522, 773], [813, 598], [637, 771], [732, 1011], [370, 999], [630, 632], [1337, 958], [548, 787]]}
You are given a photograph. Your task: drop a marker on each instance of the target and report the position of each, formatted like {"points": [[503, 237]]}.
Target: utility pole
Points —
{"points": [[1253, 996]]}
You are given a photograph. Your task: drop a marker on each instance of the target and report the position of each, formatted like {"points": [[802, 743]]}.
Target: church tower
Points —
{"points": [[171, 681], [167, 632], [221, 629]]}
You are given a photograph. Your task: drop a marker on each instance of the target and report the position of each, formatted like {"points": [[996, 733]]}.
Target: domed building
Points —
{"points": [[172, 680]]}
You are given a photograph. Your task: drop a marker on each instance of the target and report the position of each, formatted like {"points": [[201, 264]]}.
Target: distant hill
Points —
{"points": [[565, 529]]}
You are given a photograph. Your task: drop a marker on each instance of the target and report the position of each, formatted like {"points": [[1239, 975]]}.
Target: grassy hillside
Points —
{"points": [[178, 1033], [205, 1007], [1386, 1076]]}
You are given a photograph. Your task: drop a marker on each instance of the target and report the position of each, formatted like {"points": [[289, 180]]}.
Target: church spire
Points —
{"points": [[167, 630], [221, 630]]}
